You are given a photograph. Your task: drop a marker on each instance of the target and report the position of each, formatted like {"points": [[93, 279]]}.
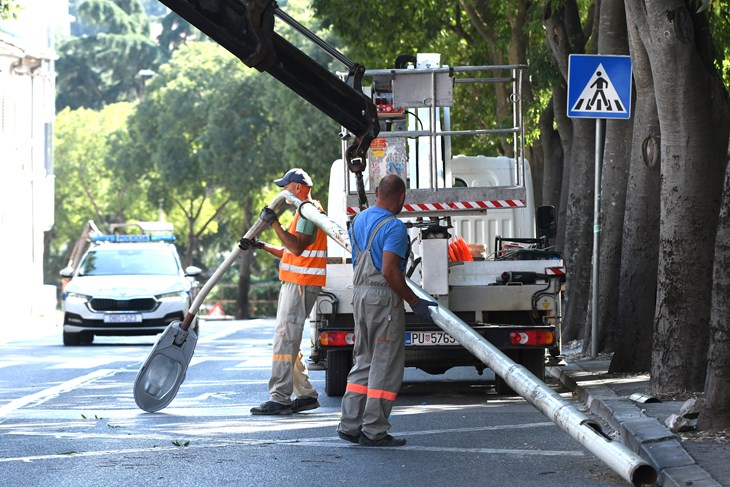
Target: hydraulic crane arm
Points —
{"points": [[246, 29]]}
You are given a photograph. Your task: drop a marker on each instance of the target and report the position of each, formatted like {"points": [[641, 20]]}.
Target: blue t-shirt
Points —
{"points": [[392, 237]]}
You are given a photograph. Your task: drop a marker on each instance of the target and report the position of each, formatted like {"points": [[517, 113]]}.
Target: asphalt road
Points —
{"points": [[68, 418]]}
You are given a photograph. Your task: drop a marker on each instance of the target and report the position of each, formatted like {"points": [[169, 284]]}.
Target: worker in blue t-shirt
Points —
{"points": [[379, 251]]}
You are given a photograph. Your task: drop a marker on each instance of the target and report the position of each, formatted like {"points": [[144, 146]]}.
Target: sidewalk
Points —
{"points": [[694, 459], [31, 327]]}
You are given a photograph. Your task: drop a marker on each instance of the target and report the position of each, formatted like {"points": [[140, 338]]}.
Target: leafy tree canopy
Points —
{"points": [[103, 67], [88, 190], [8, 9]]}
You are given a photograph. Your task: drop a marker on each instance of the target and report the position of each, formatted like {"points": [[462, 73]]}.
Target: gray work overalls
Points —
{"points": [[379, 353]]}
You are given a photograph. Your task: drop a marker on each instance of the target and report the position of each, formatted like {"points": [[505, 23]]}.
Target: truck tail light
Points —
{"points": [[531, 337], [336, 338]]}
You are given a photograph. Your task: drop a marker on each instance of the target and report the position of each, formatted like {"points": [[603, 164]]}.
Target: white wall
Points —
{"points": [[27, 110]]}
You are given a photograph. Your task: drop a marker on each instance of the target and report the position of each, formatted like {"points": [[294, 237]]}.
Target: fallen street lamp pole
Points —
{"points": [[164, 371], [580, 427]]}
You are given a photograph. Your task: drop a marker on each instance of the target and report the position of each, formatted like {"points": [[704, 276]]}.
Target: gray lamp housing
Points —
{"points": [[164, 370]]}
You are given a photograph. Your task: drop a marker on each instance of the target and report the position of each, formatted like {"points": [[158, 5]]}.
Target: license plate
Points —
{"points": [[123, 318], [429, 338]]}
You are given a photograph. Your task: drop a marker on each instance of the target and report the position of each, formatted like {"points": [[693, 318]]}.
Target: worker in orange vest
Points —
{"points": [[302, 274]]}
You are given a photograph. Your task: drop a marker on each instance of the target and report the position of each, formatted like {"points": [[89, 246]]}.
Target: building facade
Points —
{"points": [[27, 110]]}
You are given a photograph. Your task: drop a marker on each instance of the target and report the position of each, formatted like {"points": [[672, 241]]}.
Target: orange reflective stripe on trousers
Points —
{"points": [[374, 393]]}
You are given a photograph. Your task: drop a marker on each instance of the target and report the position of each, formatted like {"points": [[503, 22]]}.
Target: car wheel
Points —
{"points": [[71, 339], [86, 338]]}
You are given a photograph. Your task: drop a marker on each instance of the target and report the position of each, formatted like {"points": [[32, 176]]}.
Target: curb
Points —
{"points": [[647, 437]]}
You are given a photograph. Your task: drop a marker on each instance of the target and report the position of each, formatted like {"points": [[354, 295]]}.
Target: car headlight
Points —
{"points": [[76, 298], [170, 297]]}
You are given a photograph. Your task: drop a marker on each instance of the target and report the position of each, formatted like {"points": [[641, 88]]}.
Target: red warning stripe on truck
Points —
{"points": [[454, 205]]}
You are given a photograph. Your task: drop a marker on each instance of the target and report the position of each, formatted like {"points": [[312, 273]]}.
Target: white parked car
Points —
{"points": [[126, 285]]}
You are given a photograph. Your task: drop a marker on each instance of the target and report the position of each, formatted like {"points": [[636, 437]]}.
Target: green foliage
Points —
{"points": [[305, 137], [102, 67], [9, 9], [174, 31], [209, 135], [166, 143], [377, 32], [203, 145], [85, 188], [464, 32], [718, 14]]}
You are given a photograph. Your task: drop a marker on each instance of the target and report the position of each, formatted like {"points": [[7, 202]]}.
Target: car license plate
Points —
{"points": [[123, 318], [429, 338]]}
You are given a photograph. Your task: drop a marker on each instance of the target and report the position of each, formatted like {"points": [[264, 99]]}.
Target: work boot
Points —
{"points": [[272, 408], [387, 440], [304, 404], [350, 438]]}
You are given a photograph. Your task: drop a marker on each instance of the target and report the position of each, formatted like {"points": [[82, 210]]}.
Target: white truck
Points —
{"points": [[510, 293], [475, 246]]}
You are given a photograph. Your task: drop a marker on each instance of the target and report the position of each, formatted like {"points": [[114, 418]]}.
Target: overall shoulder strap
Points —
{"points": [[377, 229]]}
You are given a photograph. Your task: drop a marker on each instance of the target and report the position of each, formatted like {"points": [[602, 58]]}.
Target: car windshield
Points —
{"points": [[117, 262]]}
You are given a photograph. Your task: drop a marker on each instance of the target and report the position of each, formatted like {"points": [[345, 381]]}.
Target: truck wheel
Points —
{"points": [[71, 339], [500, 386], [532, 360], [339, 363]]}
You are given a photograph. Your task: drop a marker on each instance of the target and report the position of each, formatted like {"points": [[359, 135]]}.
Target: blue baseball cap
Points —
{"points": [[295, 175]]}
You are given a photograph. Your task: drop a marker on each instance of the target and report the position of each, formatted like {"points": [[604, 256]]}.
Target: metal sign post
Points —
{"points": [[599, 87]]}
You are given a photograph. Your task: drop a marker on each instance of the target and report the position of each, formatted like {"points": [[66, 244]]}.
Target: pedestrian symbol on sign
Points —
{"points": [[599, 95]]}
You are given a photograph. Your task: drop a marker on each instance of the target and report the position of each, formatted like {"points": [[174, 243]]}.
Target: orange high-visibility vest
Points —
{"points": [[308, 269]]}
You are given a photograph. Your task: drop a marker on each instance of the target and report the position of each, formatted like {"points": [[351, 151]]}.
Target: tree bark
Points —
{"points": [[640, 242], [553, 157], [688, 102], [243, 308], [579, 230], [565, 36], [613, 40], [565, 129], [716, 412]]}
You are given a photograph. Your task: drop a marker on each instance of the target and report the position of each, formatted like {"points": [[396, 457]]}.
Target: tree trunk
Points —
{"points": [[243, 306], [565, 36], [553, 157], [640, 242], [613, 40], [565, 129], [243, 309], [716, 413], [517, 54], [688, 102], [579, 230]]}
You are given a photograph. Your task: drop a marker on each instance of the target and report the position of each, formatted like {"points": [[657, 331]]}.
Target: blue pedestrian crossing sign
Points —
{"points": [[599, 86]]}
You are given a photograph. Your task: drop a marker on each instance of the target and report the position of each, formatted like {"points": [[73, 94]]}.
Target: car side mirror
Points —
{"points": [[546, 223], [66, 272], [192, 271]]}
